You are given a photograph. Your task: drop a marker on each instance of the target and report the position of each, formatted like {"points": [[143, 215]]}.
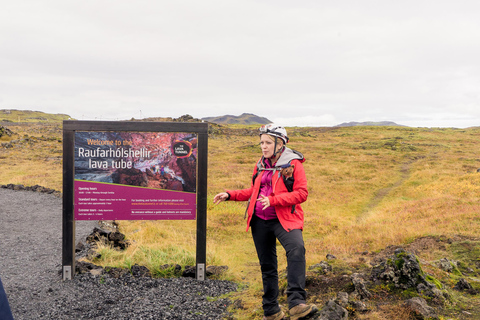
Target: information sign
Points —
{"points": [[127, 170], [135, 175]]}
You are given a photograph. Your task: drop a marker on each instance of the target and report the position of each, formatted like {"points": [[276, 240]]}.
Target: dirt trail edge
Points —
{"points": [[382, 193]]}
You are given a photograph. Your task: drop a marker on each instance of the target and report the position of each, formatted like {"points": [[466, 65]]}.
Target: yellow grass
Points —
{"points": [[35, 158], [369, 187]]}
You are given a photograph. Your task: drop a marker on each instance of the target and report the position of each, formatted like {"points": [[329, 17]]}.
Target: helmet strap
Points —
{"points": [[275, 148], [275, 151]]}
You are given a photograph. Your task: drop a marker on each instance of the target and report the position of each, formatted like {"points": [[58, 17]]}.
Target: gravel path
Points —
{"points": [[30, 264]]}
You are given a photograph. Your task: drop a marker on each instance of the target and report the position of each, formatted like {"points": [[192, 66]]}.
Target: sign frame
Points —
{"points": [[68, 218]]}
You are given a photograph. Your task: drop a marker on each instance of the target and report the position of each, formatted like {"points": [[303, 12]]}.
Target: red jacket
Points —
{"points": [[281, 199]]}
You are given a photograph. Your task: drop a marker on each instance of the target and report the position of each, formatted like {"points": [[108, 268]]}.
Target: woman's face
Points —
{"points": [[267, 145]]}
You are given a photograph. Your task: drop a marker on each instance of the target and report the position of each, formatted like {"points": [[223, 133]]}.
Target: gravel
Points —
{"points": [[30, 265]]}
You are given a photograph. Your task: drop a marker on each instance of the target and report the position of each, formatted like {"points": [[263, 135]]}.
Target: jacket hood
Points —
{"points": [[289, 155]]}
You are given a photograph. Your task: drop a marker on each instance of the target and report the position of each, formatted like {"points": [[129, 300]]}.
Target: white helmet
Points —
{"points": [[275, 131]]}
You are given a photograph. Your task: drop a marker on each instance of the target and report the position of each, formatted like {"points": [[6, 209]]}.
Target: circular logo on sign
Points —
{"points": [[182, 149]]}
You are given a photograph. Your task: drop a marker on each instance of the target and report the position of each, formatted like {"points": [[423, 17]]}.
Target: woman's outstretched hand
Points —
{"points": [[222, 196]]}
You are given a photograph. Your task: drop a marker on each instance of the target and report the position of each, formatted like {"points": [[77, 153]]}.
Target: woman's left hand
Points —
{"points": [[264, 201]]}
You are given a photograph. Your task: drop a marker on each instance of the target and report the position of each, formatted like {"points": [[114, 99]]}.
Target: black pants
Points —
{"points": [[5, 313], [265, 233]]}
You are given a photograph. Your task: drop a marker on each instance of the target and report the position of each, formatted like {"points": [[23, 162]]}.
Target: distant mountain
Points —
{"points": [[245, 118], [369, 123]]}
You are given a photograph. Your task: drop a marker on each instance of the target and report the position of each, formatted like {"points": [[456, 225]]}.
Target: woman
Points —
{"points": [[278, 187]]}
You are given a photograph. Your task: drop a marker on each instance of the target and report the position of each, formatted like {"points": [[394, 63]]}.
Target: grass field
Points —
{"points": [[369, 187]]}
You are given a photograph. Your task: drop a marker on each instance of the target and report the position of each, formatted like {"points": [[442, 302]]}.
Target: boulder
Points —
{"points": [[215, 270], [189, 272], [332, 311], [342, 299], [87, 267], [447, 265], [403, 269], [97, 235], [116, 272], [330, 257], [140, 271], [322, 267], [115, 238], [79, 247], [430, 290], [463, 285], [421, 309], [407, 270], [360, 287], [4, 131]]}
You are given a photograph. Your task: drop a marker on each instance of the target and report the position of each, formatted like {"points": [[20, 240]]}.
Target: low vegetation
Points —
{"points": [[370, 187]]}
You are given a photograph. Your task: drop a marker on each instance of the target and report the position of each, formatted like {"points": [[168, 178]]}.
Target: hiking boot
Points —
{"points": [[302, 311], [277, 316]]}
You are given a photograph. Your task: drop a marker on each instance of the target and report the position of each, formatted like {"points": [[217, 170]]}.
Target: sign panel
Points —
{"points": [[135, 175], [128, 170]]}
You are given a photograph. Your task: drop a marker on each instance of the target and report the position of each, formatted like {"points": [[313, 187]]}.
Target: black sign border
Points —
{"points": [[68, 221]]}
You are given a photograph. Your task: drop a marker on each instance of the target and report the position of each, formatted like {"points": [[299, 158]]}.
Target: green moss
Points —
{"points": [[388, 287], [399, 263], [433, 280], [456, 271], [409, 293], [399, 260]]}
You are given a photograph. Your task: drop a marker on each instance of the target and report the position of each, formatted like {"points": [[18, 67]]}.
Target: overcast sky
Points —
{"points": [[314, 63]]}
